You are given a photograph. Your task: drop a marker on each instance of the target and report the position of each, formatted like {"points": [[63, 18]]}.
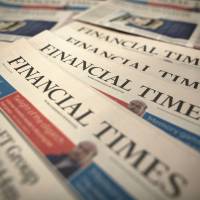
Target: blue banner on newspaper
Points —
{"points": [[92, 183], [187, 137], [5, 88]]}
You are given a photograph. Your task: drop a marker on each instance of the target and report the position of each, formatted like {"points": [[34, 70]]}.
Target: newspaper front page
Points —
{"points": [[15, 24], [165, 51], [80, 136], [183, 75], [168, 106], [169, 25]]}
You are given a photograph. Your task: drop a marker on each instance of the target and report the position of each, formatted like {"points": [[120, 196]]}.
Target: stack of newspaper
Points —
{"points": [[91, 108]]}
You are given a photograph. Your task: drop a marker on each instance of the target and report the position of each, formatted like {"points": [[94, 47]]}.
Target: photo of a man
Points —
{"points": [[80, 156], [138, 107]]}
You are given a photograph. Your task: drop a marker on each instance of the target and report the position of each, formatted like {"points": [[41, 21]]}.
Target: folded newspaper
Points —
{"points": [[18, 23], [56, 140], [183, 75], [165, 51], [169, 25], [172, 108]]}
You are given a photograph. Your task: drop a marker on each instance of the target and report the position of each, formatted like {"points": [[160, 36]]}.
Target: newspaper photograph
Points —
{"points": [[183, 75], [165, 51], [168, 25], [82, 139], [27, 22], [168, 106]]}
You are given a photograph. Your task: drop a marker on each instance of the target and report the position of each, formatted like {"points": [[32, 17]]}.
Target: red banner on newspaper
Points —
{"points": [[38, 129]]}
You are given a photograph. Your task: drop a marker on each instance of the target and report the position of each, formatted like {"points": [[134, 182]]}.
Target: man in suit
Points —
{"points": [[78, 157]]}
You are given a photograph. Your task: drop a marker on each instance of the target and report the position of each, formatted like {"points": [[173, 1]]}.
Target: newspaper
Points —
{"points": [[167, 106], [169, 25], [183, 75], [112, 158], [190, 5], [21, 3], [165, 51], [15, 24], [78, 5]]}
